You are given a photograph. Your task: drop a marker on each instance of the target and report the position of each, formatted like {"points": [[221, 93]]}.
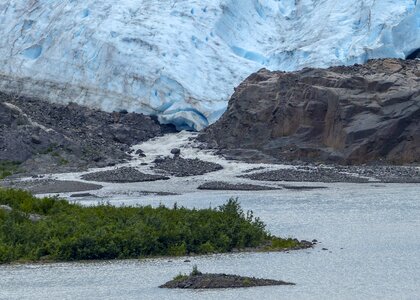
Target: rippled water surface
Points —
{"points": [[372, 233]]}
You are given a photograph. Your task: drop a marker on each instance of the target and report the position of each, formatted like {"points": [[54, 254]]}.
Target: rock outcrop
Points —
{"points": [[350, 115], [219, 281]]}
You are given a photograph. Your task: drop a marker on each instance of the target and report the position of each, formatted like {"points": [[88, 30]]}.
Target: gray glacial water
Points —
{"points": [[372, 233]]}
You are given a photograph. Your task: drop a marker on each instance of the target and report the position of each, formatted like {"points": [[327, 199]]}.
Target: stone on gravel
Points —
{"points": [[140, 153], [176, 151]]}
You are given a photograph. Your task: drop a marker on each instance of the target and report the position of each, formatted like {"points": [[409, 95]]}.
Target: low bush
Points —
{"points": [[69, 231], [8, 168]]}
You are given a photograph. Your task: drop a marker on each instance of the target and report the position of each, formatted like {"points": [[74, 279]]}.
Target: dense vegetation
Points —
{"points": [[8, 168], [66, 231]]}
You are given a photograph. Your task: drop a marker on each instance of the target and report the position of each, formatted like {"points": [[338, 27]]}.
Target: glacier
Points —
{"points": [[181, 59]]}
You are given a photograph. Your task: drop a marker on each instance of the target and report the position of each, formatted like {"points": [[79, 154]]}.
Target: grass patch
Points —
{"points": [[194, 272], [72, 232], [8, 168], [246, 281], [279, 244], [180, 277]]}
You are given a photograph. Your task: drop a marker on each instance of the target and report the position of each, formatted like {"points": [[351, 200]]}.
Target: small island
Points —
{"points": [[198, 280], [53, 229]]}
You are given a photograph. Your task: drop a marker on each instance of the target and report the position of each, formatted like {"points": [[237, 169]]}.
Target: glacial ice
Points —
{"points": [[181, 59]]}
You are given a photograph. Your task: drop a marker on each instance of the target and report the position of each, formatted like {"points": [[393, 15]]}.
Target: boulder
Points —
{"points": [[176, 151]]}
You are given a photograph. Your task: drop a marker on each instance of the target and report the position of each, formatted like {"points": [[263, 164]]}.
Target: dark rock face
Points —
{"points": [[50, 137], [349, 115], [414, 55], [220, 281], [122, 175]]}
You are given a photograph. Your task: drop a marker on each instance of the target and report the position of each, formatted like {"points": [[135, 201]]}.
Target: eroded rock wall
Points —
{"points": [[353, 115]]}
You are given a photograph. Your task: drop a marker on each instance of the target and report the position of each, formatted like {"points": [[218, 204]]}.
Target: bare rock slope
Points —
{"points": [[48, 137], [351, 115]]}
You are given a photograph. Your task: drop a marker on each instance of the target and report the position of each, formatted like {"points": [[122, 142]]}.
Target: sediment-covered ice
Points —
{"points": [[181, 59]]}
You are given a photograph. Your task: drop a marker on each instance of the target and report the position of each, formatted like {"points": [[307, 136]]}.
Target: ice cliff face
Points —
{"points": [[181, 59]]}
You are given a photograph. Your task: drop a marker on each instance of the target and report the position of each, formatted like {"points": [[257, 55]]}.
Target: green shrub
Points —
{"points": [[71, 232], [207, 247], [180, 277], [195, 271], [8, 168], [178, 250], [279, 244]]}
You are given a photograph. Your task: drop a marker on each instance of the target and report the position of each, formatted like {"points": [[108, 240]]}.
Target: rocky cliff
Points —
{"points": [[350, 115]]}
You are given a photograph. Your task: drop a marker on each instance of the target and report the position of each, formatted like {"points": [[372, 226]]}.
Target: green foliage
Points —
{"points": [[246, 281], [8, 168], [72, 232], [195, 271], [180, 277], [178, 250], [207, 247], [280, 244]]}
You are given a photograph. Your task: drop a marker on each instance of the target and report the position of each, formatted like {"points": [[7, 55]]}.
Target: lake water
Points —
{"points": [[371, 231]]}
